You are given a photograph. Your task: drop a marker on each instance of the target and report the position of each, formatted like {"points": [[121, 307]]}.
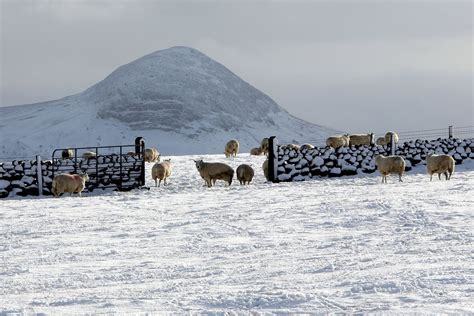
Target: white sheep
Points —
{"points": [[337, 141], [390, 165], [306, 147], [245, 174], [361, 139], [72, 183], [151, 155], [388, 137], [212, 171], [231, 148], [89, 155], [161, 171], [381, 141], [257, 151], [440, 164]]}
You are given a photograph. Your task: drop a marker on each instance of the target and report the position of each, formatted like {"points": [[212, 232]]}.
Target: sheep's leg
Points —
{"points": [[156, 183], [446, 175], [159, 183], [431, 177], [400, 178], [439, 175]]}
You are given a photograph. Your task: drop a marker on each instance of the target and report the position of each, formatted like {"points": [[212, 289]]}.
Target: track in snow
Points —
{"points": [[329, 245]]}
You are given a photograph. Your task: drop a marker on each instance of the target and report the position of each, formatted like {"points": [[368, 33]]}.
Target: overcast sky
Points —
{"points": [[351, 65]]}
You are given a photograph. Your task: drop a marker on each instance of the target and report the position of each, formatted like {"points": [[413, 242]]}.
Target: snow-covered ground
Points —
{"points": [[330, 245]]}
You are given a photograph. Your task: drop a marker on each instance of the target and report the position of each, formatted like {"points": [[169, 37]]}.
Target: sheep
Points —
{"points": [[337, 141], [388, 137], [89, 155], [72, 183], [390, 164], [257, 151], [231, 148], [306, 147], [212, 171], [440, 164], [245, 173], [381, 141], [361, 139], [67, 154], [161, 171], [151, 155], [265, 170], [264, 146], [131, 153]]}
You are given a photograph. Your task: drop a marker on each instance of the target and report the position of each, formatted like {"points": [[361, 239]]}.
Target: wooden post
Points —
{"points": [[140, 150], [450, 131], [39, 175], [272, 159], [392, 145]]}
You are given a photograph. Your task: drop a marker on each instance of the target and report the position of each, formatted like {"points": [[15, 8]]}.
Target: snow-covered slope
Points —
{"points": [[342, 245], [179, 99]]}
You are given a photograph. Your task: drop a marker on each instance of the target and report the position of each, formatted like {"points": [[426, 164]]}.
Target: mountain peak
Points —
{"points": [[175, 89]]}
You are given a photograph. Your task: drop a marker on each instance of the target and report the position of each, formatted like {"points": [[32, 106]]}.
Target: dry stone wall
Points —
{"points": [[19, 177], [305, 164]]}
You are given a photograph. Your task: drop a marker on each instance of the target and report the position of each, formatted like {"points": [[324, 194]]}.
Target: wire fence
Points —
{"points": [[427, 134]]}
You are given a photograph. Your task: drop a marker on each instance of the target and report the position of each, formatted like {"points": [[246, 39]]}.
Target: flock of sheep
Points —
{"points": [[360, 139], [440, 164], [210, 172]]}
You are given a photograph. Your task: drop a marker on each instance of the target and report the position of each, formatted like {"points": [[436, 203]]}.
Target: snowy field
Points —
{"points": [[331, 245]]}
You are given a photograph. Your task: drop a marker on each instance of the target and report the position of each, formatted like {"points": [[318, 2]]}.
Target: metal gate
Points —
{"points": [[120, 167]]}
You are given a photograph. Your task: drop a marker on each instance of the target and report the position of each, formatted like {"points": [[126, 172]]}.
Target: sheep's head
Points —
{"points": [[85, 176], [199, 164]]}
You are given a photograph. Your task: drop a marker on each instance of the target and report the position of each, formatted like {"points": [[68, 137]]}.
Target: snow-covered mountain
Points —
{"points": [[179, 99]]}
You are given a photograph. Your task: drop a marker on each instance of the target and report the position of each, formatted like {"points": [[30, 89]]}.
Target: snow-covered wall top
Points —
{"points": [[180, 100], [298, 165]]}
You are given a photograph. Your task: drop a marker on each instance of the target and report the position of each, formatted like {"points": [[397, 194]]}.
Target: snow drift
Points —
{"points": [[179, 99]]}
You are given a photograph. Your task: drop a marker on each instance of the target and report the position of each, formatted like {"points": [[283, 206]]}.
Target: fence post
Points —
{"points": [[39, 175], [392, 145], [450, 131], [272, 159], [140, 149]]}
